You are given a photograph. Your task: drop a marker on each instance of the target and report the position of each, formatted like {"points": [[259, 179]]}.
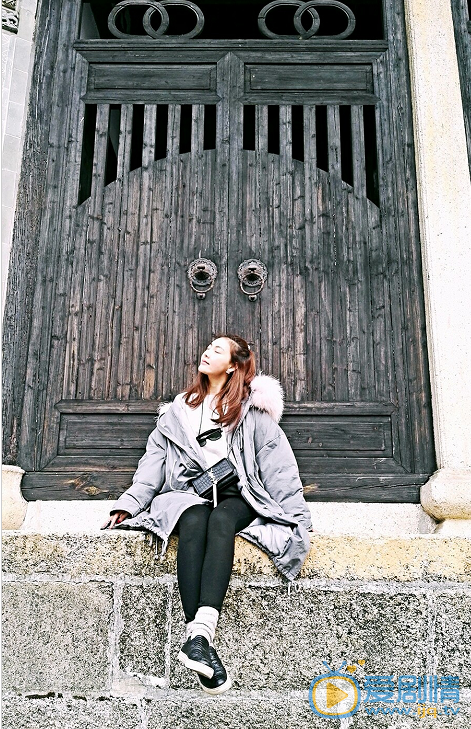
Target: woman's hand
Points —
{"points": [[115, 518]]}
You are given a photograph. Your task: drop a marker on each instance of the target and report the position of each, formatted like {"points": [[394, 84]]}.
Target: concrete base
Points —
{"points": [[363, 520], [13, 504], [447, 496], [92, 625]]}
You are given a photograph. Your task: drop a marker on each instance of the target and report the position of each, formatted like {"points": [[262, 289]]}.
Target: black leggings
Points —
{"points": [[206, 551]]}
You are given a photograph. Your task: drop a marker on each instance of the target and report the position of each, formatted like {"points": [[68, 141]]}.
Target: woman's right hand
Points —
{"points": [[115, 518]]}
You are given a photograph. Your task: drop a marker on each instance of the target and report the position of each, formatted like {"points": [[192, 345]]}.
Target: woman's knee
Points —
{"points": [[222, 520], [193, 520]]}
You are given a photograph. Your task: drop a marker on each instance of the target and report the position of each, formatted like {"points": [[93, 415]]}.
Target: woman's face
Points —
{"points": [[216, 359]]}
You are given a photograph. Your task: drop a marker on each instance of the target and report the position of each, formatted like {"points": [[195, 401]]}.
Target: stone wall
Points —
{"points": [[93, 624]]}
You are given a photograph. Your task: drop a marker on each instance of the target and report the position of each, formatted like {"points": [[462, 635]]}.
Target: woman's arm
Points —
{"points": [[148, 478], [279, 474]]}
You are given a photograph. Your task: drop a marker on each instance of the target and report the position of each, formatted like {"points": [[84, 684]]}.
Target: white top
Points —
{"points": [[213, 450]]}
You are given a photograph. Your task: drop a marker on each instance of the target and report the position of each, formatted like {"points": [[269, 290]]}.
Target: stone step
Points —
{"points": [[330, 518], [93, 623]]}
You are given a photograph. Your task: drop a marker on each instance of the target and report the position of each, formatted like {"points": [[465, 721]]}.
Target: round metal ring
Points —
{"points": [[295, 3], [126, 3], [308, 6], [197, 11]]}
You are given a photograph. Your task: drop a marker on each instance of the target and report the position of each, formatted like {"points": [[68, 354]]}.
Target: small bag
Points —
{"points": [[215, 480]]}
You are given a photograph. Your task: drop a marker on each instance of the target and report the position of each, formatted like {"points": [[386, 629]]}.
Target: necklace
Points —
{"points": [[212, 434]]}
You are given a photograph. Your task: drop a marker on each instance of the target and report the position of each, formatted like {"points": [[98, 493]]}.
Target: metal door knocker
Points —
{"points": [[202, 274], [252, 274]]}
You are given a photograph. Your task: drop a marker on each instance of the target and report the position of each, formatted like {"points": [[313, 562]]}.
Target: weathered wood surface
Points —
{"points": [[340, 320], [461, 11]]}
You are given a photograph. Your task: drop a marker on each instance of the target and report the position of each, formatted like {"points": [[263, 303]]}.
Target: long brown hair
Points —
{"points": [[236, 387]]}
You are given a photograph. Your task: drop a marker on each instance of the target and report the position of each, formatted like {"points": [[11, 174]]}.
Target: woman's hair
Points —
{"points": [[236, 387]]}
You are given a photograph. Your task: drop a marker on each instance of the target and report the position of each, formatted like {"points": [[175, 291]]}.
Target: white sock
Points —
{"points": [[205, 622], [189, 628]]}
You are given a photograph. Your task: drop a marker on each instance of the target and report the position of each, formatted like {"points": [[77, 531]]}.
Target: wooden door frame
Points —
{"points": [[29, 340]]}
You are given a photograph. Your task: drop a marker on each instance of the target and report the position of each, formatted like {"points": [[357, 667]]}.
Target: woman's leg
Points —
{"points": [[230, 516], [192, 529]]}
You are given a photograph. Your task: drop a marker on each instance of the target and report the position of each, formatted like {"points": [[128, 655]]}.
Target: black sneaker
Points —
{"points": [[194, 654], [220, 681]]}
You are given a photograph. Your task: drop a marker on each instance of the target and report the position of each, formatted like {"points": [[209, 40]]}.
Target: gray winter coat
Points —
{"points": [[268, 477]]}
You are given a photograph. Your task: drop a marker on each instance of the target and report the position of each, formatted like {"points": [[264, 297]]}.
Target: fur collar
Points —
{"points": [[266, 394]]}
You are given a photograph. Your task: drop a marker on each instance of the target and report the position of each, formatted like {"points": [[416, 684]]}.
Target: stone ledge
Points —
{"points": [[329, 518], [250, 710], [430, 557]]}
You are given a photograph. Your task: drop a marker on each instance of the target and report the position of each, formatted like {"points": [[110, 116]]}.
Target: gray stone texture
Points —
{"points": [[200, 711], [453, 636], [60, 713], [96, 623], [106, 554], [271, 640], [145, 630], [56, 637]]}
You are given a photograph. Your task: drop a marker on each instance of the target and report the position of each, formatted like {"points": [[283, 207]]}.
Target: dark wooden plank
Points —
{"points": [[311, 256], [309, 97], [462, 25], [338, 294], [170, 50], [308, 77], [92, 255], [286, 311], [265, 337], [359, 290], [242, 316], [65, 266], [116, 228], [144, 233], [189, 77], [87, 485], [35, 223], [139, 96], [171, 245]]}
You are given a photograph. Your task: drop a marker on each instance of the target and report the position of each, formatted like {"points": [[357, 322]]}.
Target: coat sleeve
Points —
{"points": [[279, 474], [148, 478]]}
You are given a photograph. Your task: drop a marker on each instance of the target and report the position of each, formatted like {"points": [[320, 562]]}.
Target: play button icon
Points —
{"points": [[334, 695]]}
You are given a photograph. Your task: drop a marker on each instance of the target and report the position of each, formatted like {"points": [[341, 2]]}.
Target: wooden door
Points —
{"points": [[297, 155]]}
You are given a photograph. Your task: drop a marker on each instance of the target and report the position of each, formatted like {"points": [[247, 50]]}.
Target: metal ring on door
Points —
{"points": [[202, 274], [252, 274]]}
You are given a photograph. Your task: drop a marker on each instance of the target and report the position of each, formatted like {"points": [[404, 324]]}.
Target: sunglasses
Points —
{"points": [[213, 434]]}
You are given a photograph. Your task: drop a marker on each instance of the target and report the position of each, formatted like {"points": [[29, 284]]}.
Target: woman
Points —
{"points": [[227, 412]]}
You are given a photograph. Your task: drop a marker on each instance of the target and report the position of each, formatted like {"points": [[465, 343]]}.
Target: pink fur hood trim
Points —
{"points": [[266, 394]]}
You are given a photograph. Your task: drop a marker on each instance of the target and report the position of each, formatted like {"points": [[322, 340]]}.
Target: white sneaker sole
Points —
{"points": [[195, 666], [220, 689]]}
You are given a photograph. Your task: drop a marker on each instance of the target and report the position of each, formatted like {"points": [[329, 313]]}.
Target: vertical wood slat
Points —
{"points": [[158, 287], [144, 226], [312, 256], [77, 234], [385, 267], [167, 351], [238, 319], [92, 253], [57, 388], [33, 411], [265, 337], [286, 248], [337, 294], [361, 306], [191, 242], [119, 234]]}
